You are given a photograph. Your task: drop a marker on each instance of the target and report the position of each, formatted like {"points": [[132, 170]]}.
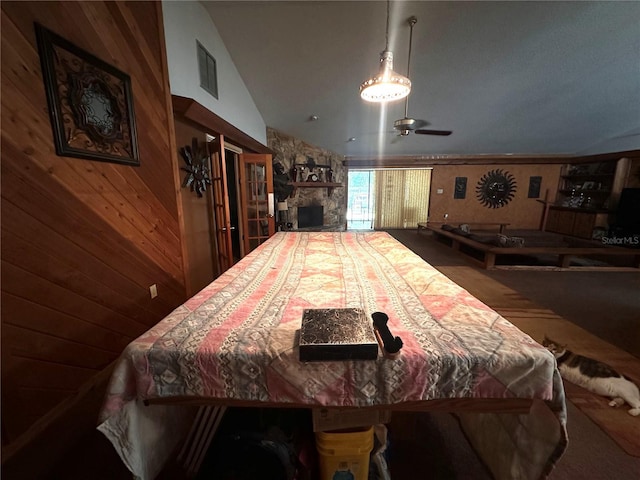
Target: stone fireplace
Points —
{"points": [[332, 201]]}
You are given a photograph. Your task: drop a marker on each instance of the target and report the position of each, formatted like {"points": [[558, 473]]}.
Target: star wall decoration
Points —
{"points": [[197, 161]]}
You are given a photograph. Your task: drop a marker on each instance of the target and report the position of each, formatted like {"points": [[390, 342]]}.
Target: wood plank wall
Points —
{"points": [[82, 240]]}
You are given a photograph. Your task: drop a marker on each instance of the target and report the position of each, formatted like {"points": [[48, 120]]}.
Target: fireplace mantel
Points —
{"points": [[328, 185]]}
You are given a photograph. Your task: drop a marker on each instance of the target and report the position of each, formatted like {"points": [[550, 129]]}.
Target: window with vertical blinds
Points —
{"points": [[402, 197]]}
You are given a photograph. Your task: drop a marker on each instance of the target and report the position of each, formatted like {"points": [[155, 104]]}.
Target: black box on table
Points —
{"points": [[337, 334]]}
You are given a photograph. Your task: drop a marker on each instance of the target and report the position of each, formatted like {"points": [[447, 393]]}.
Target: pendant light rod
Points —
{"points": [[412, 21], [386, 35]]}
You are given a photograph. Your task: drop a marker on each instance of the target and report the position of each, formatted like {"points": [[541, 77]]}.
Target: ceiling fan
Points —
{"points": [[407, 125]]}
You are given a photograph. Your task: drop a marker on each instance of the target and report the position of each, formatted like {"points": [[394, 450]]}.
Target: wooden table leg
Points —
{"points": [[564, 260], [489, 260]]}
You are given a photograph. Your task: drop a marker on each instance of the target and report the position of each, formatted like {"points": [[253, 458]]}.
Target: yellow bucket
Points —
{"points": [[344, 454]]}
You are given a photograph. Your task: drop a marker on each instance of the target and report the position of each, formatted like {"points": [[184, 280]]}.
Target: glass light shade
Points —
{"points": [[387, 85]]}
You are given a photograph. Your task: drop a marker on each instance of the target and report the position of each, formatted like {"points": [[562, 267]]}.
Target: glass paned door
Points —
{"points": [[221, 215], [256, 185]]}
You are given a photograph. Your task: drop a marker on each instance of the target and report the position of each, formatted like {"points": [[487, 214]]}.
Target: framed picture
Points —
{"points": [[90, 103]]}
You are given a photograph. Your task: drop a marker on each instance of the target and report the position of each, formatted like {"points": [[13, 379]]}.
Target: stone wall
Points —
{"points": [[289, 151]]}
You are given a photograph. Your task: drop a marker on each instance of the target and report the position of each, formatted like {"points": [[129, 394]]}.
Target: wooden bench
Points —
{"points": [[501, 226], [565, 254]]}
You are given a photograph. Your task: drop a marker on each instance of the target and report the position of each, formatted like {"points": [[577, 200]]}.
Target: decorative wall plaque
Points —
{"points": [[90, 103], [534, 187], [496, 188], [460, 188], [196, 159]]}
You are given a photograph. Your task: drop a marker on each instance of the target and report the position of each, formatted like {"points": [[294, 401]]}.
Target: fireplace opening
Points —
{"points": [[310, 216]]}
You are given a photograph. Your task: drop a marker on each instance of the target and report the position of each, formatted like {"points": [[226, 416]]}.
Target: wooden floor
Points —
{"points": [[537, 321], [95, 455]]}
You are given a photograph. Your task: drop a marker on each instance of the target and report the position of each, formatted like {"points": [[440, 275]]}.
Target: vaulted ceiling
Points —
{"points": [[506, 77]]}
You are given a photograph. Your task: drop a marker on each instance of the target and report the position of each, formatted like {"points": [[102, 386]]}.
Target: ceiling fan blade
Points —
{"points": [[442, 133]]}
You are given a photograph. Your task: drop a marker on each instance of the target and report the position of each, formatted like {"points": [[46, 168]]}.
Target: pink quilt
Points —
{"points": [[236, 339]]}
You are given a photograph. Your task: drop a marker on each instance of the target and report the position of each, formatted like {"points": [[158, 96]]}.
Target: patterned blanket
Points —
{"points": [[236, 339]]}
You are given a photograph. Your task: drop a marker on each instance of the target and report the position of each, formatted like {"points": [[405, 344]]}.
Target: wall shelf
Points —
{"points": [[588, 175], [587, 194], [587, 185]]}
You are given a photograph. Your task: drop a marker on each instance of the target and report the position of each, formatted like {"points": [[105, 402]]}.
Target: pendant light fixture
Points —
{"points": [[387, 85]]}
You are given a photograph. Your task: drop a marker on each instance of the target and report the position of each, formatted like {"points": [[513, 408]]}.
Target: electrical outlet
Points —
{"points": [[440, 191], [153, 290]]}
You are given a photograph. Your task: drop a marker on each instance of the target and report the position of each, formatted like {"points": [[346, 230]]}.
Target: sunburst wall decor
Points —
{"points": [[197, 160], [496, 188]]}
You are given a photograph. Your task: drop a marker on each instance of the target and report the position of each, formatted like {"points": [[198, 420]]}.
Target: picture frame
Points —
{"points": [[90, 103]]}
